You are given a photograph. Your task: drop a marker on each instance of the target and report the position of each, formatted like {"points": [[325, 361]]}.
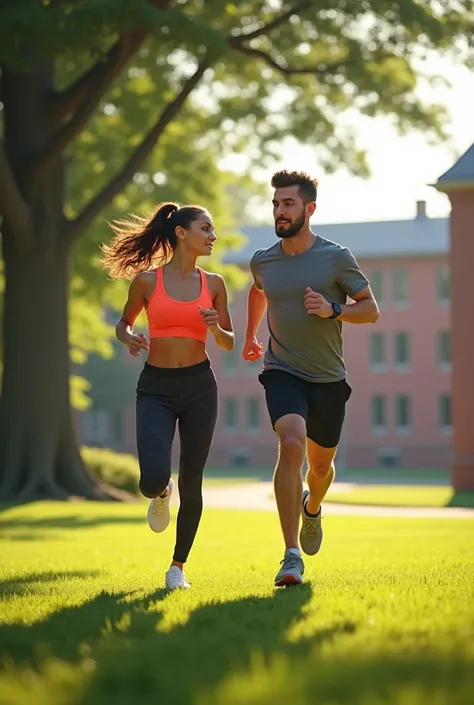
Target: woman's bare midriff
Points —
{"points": [[176, 352]]}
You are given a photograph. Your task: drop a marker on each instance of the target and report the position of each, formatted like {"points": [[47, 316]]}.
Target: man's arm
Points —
{"points": [[353, 282], [256, 307], [363, 310]]}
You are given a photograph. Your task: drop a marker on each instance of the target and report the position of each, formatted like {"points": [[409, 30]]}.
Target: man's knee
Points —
{"points": [[321, 469], [293, 445]]}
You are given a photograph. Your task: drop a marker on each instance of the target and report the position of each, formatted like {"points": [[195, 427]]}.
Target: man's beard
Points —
{"points": [[292, 230]]}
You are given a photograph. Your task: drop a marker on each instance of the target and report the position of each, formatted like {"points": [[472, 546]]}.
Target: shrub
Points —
{"points": [[119, 470]]}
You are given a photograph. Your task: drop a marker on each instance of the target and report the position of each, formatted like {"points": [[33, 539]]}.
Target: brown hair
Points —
{"points": [[140, 243], [308, 187]]}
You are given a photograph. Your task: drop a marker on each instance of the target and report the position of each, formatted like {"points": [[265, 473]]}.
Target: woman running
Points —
{"points": [[177, 385]]}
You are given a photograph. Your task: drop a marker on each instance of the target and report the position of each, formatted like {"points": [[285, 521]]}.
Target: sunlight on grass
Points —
{"points": [[385, 617], [393, 495]]}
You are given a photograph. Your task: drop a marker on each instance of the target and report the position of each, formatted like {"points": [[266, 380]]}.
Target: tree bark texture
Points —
{"points": [[39, 456]]}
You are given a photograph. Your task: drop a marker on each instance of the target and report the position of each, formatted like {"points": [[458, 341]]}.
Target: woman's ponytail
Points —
{"points": [[141, 243]]}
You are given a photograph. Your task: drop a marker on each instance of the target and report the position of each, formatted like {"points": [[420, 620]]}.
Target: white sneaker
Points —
{"points": [[175, 578], [159, 511]]}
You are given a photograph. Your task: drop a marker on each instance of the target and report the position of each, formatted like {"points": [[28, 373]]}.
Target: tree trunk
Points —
{"points": [[39, 456]]}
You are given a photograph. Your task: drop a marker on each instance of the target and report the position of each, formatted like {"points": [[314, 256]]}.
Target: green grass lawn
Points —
{"points": [[396, 475], [385, 617], [393, 495]]}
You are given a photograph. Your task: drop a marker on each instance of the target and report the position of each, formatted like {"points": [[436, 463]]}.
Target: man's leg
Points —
{"points": [[321, 472], [291, 431], [325, 420], [288, 407], [320, 475]]}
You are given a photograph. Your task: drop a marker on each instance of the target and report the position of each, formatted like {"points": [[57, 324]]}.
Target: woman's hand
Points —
{"points": [[137, 343], [210, 318]]}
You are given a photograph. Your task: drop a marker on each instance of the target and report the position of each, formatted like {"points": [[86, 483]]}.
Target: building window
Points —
{"points": [[377, 285], [230, 361], [378, 414], [400, 286], [378, 352], [230, 414], [402, 351], [239, 457], [445, 413], [389, 457], [443, 285], [253, 414], [403, 413], [444, 350]]}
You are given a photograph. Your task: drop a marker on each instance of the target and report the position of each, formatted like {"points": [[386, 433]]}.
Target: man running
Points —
{"points": [[304, 281]]}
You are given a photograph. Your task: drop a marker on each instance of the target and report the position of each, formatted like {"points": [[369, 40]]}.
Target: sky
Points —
{"points": [[402, 167]]}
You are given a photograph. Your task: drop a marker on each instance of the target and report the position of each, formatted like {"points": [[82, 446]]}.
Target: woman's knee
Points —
{"points": [[153, 484]]}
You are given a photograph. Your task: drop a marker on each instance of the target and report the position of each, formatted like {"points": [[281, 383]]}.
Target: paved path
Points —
{"points": [[259, 496]]}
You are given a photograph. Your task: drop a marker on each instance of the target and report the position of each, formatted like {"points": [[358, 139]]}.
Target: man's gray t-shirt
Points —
{"points": [[304, 344]]}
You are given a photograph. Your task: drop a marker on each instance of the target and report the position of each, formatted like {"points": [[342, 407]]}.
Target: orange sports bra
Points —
{"points": [[168, 318]]}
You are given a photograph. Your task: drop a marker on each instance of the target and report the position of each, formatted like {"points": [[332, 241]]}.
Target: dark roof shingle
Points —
{"points": [[373, 240], [462, 172]]}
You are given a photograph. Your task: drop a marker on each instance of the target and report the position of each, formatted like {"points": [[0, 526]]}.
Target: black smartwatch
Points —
{"points": [[337, 310]]}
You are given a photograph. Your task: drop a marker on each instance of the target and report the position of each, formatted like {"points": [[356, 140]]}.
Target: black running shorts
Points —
{"points": [[321, 404]]}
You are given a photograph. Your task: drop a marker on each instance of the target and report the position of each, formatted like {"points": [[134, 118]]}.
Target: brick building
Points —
{"points": [[400, 410]]}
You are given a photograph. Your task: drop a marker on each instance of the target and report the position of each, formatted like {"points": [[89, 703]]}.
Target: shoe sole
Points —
{"points": [[288, 580]]}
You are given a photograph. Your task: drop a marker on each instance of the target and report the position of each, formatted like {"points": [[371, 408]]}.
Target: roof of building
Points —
{"points": [[462, 172], [421, 236]]}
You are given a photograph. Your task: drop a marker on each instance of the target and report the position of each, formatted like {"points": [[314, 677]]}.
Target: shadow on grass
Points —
{"points": [[68, 521], [136, 659], [63, 633], [225, 653], [26, 584]]}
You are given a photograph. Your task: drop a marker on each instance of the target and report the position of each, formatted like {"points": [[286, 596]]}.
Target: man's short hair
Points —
{"points": [[307, 186]]}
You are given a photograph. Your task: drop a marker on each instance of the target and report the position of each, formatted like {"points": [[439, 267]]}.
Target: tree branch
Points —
{"points": [[86, 92], [85, 96], [239, 43], [122, 178], [82, 98], [102, 73], [13, 208], [319, 70], [267, 28]]}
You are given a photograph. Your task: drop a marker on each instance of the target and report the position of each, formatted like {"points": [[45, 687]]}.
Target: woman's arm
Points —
{"points": [[218, 319], [132, 309]]}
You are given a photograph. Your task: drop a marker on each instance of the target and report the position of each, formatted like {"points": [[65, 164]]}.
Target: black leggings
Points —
{"points": [[187, 395]]}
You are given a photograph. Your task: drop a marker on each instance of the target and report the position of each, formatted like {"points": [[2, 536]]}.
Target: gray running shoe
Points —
{"points": [[311, 534], [291, 571]]}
